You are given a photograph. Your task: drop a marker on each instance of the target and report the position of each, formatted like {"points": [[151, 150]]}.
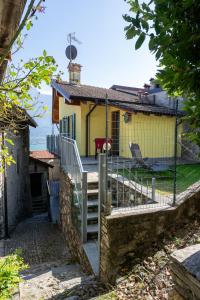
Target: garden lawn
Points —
{"points": [[186, 176]]}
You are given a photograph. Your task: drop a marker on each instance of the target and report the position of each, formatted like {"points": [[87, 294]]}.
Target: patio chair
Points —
{"points": [[145, 162], [100, 144]]}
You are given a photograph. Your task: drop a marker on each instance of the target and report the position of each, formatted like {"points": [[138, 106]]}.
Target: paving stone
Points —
{"points": [[52, 275], [51, 271], [72, 298]]}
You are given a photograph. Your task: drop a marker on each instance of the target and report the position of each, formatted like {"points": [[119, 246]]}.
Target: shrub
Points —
{"points": [[10, 267]]}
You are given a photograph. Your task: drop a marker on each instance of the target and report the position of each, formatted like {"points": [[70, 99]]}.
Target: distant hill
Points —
{"points": [[38, 135]]}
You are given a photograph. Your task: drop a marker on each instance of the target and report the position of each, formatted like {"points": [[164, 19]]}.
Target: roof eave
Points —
{"points": [[167, 113], [102, 100], [41, 161], [61, 91]]}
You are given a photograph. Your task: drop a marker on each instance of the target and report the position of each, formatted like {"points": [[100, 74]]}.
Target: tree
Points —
{"points": [[172, 28], [18, 80]]}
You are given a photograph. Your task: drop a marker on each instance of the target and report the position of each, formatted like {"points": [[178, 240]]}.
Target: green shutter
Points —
{"points": [[60, 129], [74, 126], [68, 127]]}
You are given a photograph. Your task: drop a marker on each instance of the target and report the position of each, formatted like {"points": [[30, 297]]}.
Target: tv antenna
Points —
{"points": [[71, 51]]}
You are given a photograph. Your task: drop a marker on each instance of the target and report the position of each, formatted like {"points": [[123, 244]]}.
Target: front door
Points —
{"points": [[115, 132]]}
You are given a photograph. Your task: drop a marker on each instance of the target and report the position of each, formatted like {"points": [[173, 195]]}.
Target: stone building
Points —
{"points": [[39, 184], [49, 158], [15, 201]]}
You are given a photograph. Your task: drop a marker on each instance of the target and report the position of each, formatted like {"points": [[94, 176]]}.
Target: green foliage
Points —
{"points": [[20, 78], [10, 266], [173, 32]]}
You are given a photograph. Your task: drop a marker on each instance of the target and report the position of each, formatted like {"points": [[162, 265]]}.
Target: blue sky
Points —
{"points": [[105, 54]]}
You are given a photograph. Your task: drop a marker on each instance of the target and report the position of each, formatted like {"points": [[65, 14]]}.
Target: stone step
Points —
{"points": [[92, 216], [92, 203], [92, 192], [92, 228], [93, 185]]}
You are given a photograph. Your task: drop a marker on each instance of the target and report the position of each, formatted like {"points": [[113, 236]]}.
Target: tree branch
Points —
{"points": [[27, 16]]}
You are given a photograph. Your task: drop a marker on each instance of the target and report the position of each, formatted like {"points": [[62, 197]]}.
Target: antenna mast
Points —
{"points": [[71, 37]]}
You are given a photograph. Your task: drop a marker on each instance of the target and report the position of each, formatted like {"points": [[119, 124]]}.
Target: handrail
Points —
{"points": [[76, 151], [72, 165]]}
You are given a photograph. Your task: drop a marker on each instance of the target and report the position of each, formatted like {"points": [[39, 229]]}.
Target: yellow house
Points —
{"points": [[81, 112]]}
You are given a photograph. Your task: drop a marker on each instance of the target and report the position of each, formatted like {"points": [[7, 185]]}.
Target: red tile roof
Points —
{"points": [[42, 154]]}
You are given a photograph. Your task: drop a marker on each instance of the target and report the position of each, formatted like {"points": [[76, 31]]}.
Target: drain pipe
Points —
{"points": [[87, 129]]}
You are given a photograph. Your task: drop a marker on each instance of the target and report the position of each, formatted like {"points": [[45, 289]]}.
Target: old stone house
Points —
{"points": [[15, 201]]}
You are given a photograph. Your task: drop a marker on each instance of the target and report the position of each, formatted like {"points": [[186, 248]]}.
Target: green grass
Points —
{"points": [[186, 176]]}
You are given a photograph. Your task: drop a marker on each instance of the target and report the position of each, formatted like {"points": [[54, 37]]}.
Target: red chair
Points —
{"points": [[99, 142]]}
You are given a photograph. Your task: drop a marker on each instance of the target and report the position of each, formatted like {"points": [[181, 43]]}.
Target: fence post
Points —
{"points": [[47, 141], [153, 189], [175, 154], [84, 207], [101, 196]]}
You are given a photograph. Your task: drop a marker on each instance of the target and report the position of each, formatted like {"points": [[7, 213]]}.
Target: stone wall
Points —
{"points": [[18, 182], [131, 231], [125, 192], [1, 198], [185, 270], [69, 230]]}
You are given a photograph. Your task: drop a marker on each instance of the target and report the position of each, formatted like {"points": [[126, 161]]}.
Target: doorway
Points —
{"points": [[38, 193], [115, 132], [36, 184]]}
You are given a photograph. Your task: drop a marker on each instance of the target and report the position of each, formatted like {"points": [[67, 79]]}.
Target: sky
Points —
{"points": [[106, 56]]}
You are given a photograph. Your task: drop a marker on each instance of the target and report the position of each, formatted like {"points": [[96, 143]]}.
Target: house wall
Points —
{"points": [[54, 173], [66, 110], [154, 134], [18, 184], [163, 99], [97, 125]]}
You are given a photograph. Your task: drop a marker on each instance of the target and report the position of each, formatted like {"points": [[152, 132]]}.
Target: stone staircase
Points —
{"points": [[92, 205], [39, 205]]}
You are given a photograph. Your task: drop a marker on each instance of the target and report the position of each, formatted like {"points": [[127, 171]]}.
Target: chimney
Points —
{"points": [[74, 73]]}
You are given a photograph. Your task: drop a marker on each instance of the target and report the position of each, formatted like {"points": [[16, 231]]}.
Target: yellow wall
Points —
{"points": [[97, 125], [66, 110], [154, 134]]}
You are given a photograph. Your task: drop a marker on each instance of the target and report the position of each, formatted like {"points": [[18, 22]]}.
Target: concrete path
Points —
{"points": [[52, 273]]}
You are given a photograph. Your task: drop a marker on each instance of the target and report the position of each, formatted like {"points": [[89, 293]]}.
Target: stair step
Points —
{"points": [[93, 202], [92, 228], [93, 192], [92, 216], [93, 185]]}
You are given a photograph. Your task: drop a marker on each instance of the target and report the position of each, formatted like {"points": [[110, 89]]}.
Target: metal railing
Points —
{"points": [[70, 161], [148, 162], [53, 144]]}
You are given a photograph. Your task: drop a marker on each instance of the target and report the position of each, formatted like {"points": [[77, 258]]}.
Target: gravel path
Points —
{"points": [[52, 273]]}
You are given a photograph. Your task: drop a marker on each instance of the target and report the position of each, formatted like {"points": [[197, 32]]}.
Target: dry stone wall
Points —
{"points": [[132, 231], [69, 230]]}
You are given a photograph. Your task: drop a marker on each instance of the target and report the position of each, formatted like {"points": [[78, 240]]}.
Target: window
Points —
{"points": [[68, 126]]}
